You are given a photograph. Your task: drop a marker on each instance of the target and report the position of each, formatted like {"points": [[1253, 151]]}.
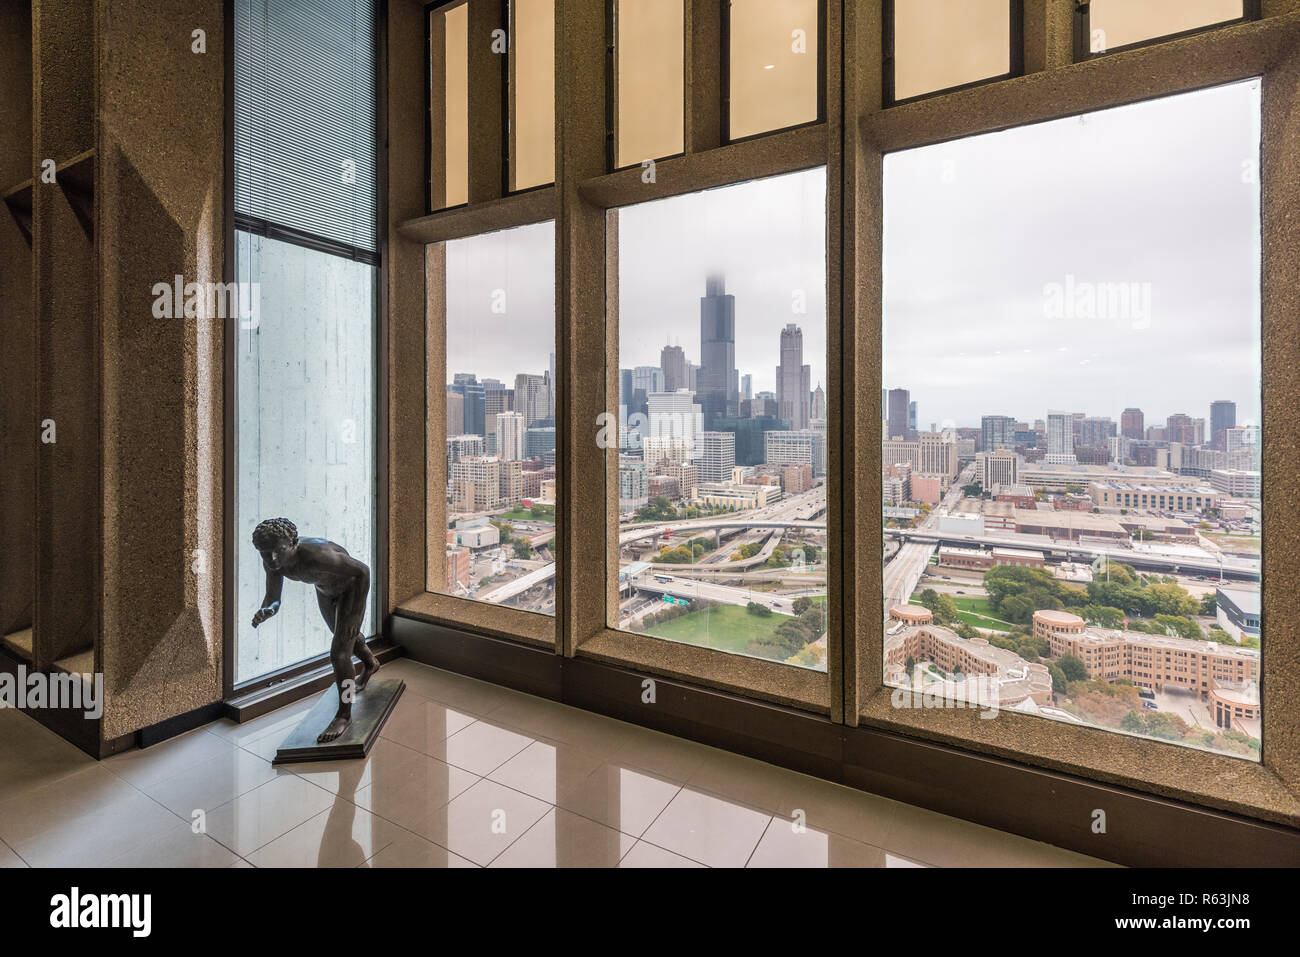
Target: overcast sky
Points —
{"points": [[978, 230], [766, 236], [1162, 194]]}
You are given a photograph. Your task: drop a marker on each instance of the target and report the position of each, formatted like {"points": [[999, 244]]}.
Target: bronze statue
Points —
{"points": [[342, 584]]}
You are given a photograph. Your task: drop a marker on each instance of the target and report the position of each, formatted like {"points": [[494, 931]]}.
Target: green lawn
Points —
{"points": [[969, 613], [524, 515], [724, 627]]}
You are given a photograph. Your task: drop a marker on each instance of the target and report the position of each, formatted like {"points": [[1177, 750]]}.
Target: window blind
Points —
{"points": [[305, 114]]}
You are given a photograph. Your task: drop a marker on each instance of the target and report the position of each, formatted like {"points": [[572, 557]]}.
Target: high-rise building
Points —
{"points": [[1223, 416], [675, 415], [1095, 432], [455, 413], [896, 417], [672, 360], [749, 435], [1060, 439], [999, 467], [463, 447], [997, 432], [805, 447], [911, 416], [1132, 424], [818, 409], [510, 431], [1181, 427], [717, 456], [717, 382], [475, 406], [746, 387], [793, 380], [539, 440], [633, 485], [532, 398]]}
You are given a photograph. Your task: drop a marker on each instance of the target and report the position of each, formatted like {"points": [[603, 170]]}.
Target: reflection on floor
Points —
{"points": [[467, 774]]}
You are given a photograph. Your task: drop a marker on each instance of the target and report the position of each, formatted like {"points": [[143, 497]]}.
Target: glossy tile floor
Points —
{"points": [[467, 774]]}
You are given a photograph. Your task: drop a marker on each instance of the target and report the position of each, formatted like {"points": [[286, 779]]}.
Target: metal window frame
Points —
{"points": [[1251, 10], [1016, 60]]}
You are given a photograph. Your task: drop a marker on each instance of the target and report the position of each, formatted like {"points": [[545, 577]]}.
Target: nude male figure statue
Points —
{"points": [[342, 584]]}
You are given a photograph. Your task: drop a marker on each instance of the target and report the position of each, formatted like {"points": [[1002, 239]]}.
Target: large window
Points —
{"points": [[722, 404], [1071, 441], [497, 513], [303, 409], [306, 364]]}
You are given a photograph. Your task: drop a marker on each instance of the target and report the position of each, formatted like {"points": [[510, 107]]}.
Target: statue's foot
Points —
{"points": [[336, 728], [367, 672]]}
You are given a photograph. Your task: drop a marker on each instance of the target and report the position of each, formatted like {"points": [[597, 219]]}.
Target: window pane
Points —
{"points": [[498, 510], [773, 56], [1116, 23], [722, 457], [449, 104], [532, 93], [1072, 421], [940, 44], [650, 50], [306, 437]]}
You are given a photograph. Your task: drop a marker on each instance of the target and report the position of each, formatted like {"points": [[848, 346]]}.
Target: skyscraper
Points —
{"points": [[717, 456], [818, 410], [896, 417], [793, 380], [510, 435], [1060, 439], [533, 397], [1223, 416], [911, 416], [717, 383], [1132, 424], [997, 432], [676, 415], [673, 363]]}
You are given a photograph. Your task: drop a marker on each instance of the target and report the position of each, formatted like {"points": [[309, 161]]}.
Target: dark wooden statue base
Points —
{"points": [[370, 709]]}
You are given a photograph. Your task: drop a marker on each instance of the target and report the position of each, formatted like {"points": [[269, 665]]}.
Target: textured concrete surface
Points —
{"points": [[160, 213], [18, 435]]}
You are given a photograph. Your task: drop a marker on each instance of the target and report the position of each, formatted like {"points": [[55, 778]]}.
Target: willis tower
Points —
{"points": [[717, 383]]}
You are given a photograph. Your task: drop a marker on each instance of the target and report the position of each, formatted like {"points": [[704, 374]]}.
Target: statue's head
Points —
{"points": [[273, 538]]}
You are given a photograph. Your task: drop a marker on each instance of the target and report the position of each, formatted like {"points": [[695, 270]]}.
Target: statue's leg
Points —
{"points": [[347, 622]]}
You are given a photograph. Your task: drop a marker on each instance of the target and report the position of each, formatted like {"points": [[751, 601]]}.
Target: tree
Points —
{"points": [[801, 604], [1209, 604], [522, 550], [973, 490], [1072, 668], [1106, 616], [1058, 677], [762, 611]]}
